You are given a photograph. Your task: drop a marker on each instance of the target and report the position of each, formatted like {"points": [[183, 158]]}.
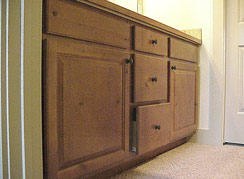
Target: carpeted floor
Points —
{"points": [[192, 161]]}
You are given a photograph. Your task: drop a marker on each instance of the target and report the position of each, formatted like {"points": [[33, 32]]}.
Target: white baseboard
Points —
{"points": [[206, 136]]}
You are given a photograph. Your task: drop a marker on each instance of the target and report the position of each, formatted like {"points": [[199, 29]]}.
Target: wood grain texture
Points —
{"points": [[183, 50], [143, 41], [86, 106], [183, 98], [146, 68], [76, 20], [128, 14], [148, 117], [92, 107]]}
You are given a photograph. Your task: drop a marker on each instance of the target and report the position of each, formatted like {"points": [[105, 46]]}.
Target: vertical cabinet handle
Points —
{"points": [[129, 61], [155, 41]]}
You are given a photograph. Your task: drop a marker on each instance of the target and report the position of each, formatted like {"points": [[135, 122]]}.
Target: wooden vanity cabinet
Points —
{"points": [[86, 104], [118, 88], [183, 98]]}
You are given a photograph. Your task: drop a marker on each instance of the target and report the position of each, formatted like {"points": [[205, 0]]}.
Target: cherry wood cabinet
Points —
{"points": [[86, 107], [183, 98]]}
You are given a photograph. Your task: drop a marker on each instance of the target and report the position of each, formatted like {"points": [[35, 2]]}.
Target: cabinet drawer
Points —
{"points": [[150, 41], [74, 19], [153, 123], [183, 50], [150, 78]]}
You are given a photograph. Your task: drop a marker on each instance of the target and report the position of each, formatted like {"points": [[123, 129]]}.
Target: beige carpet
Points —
{"points": [[192, 161]]}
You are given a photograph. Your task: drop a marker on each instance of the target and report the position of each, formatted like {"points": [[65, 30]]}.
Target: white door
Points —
{"points": [[234, 109]]}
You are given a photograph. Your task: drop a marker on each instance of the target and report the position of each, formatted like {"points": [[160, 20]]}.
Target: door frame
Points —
{"points": [[20, 114]]}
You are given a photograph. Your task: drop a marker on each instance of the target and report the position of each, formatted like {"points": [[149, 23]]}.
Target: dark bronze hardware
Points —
{"points": [[154, 79], [130, 61], [155, 41], [55, 13], [173, 67], [157, 127]]}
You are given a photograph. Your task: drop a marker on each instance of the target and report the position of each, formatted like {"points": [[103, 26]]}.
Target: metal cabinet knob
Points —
{"points": [[155, 41], [157, 127], [130, 61], [154, 79], [173, 67], [55, 13]]}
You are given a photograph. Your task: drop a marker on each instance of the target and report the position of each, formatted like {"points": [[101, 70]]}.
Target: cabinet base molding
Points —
{"points": [[135, 161]]}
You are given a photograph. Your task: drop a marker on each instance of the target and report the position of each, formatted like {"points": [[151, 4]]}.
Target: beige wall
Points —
{"points": [[129, 4]]}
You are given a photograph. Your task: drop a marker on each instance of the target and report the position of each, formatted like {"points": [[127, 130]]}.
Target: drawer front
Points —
{"points": [[78, 21], [183, 50], [150, 41], [153, 123], [150, 78]]}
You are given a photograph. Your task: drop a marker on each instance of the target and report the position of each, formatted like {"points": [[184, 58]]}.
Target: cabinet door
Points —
{"points": [[183, 99], [85, 108]]}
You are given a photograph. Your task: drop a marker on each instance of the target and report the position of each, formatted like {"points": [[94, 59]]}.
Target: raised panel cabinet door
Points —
{"points": [[183, 98], [86, 108]]}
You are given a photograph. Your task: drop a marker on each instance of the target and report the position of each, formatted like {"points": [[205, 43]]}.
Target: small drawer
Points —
{"points": [[183, 50], [74, 19], [150, 78], [150, 41], [153, 125]]}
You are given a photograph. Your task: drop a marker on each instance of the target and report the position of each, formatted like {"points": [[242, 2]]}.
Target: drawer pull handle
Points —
{"points": [[173, 67], [157, 127], [130, 61], [155, 41], [154, 79]]}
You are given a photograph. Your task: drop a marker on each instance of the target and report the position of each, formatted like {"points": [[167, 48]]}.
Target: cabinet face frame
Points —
{"points": [[188, 69], [54, 47]]}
